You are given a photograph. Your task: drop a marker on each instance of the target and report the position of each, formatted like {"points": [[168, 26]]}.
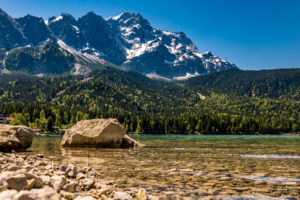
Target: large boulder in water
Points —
{"points": [[17, 138], [95, 133]]}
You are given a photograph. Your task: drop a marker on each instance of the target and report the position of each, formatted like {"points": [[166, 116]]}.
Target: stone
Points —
{"points": [[84, 198], [87, 183], [142, 194], [17, 182], [28, 167], [37, 194], [80, 175], [122, 196], [128, 142], [71, 171], [17, 138], [94, 133], [13, 168], [34, 181], [63, 168], [7, 195], [58, 182], [72, 187]]}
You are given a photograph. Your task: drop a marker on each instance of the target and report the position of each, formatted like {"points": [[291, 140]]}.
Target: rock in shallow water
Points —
{"points": [[128, 142], [15, 138], [96, 132]]}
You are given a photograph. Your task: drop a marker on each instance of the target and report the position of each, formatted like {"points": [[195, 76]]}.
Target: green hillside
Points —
{"points": [[226, 102]]}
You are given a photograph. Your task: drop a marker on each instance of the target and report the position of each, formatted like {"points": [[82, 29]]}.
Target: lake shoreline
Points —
{"points": [[38, 177]]}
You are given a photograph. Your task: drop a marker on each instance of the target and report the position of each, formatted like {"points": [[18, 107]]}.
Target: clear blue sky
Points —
{"points": [[253, 34]]}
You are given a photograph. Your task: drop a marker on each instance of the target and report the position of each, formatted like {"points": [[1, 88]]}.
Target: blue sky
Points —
{"points": [[253, 34]]}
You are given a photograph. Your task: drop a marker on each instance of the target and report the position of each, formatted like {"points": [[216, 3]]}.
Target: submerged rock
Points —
{"points": [[17, 138], [128, 142]]}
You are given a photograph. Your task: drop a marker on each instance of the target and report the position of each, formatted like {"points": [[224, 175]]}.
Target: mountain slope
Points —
{"points": [[168, 54], [128, 41], [283, 83], [11, 34]]}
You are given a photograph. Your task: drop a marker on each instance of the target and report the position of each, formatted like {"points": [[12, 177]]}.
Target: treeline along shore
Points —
{"points": [[54, 118], [229, 102]]}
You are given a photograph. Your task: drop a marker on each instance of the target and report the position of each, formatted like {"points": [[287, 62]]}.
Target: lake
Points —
{"points": [[193, 167]]}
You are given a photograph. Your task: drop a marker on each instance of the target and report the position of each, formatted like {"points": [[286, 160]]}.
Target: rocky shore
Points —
{"points": [[24, 177]]}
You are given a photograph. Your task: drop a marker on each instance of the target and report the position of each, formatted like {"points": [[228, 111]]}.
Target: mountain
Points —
{"points": [[166, 53], [128, 41], [11, 34]]}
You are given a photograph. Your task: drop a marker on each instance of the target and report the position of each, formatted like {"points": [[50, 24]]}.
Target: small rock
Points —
{"points": [[84, 198], [17, 182], [58, 182], [72, 187], [37, 194], [105, 191], [153, 198], [87, 183], [71, 171], [142, 194], [122, 196], [80, 175], [9, 194], [40, 155], [28, 167], [37, 182], [63, 168], [13, 168]]}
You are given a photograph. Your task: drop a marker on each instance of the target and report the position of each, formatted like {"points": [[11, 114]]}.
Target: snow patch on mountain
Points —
{"points": [[187, 76], [155, 76]]}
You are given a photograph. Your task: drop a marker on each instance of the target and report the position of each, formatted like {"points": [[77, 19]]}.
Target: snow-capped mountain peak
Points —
{"points": [[127, 40]]}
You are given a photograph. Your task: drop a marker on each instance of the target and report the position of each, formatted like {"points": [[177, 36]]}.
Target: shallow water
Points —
{"points": [[194, 167]]}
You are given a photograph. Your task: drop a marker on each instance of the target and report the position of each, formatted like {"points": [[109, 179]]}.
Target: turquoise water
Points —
{"points": [[193, 167]]}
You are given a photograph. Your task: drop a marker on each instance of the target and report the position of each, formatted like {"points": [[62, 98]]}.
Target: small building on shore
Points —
{"points": [[3, 119]]}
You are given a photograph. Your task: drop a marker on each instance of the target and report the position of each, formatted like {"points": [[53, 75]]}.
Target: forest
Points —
{"points": [[229, 102]]}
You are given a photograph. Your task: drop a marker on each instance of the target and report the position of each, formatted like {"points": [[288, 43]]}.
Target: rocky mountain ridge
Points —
{"points": [[127, 40]]}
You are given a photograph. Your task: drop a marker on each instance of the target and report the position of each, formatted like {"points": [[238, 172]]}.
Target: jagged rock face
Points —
{"points": [[169, 54], [102, 37], [127, 40], [11, 35], [34, 29], [65, 28]]}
